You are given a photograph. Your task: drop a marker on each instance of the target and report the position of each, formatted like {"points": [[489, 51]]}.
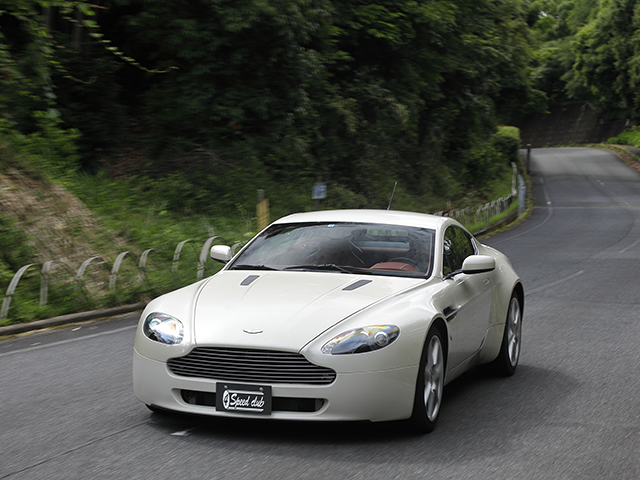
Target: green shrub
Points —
{"points": [[487, 159], [507, 142], [482, 163], [50, 149], [339, 197], [630, 137]]}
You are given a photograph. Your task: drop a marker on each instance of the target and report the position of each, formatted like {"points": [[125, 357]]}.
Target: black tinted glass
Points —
{"points": [[373, 248]]}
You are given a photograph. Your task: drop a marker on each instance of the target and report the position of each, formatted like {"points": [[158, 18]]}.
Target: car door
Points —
{"points": [[472, 293]]}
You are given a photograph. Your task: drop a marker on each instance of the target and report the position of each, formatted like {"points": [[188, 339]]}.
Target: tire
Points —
{"points": [[509, 355], [429, 384]]}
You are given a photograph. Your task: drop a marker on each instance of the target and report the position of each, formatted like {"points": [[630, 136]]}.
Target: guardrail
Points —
{"points": [[45, 273]]}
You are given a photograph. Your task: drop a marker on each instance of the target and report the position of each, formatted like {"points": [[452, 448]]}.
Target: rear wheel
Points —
{"points": [[429, 384], [509, 355]]}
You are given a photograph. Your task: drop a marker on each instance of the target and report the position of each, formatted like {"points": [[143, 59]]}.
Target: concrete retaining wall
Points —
{"points": [[566, 124]]}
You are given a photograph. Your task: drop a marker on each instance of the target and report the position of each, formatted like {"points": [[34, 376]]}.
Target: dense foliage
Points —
{"points": [[225, 96], [588, 50], [628, 137]]}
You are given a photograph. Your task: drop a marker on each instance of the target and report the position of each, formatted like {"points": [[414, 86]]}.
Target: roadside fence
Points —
{"points": [[483, 214], [45, 271]]}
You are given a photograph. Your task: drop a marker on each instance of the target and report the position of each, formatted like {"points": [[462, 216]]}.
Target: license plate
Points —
{"points": [[235, 398]]}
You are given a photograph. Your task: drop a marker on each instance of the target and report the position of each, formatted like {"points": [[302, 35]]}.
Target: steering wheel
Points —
{"points": [[409, 261]]}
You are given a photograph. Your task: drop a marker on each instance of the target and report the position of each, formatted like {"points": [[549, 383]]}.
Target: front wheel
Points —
{"points": [[429, 384], [509, 355]]}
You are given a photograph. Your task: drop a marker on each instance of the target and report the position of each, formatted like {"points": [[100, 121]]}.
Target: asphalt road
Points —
{"points": [[572, 411]]}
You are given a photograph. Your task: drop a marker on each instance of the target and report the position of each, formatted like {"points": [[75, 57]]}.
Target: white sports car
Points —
{"points": [[333, 315]]}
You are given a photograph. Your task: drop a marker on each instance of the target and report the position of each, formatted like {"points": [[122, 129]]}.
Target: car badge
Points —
{"points": [[252, 332]]}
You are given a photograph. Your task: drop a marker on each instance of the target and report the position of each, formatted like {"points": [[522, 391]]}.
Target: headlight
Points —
{"points": [[359, 340], [163, 328]]}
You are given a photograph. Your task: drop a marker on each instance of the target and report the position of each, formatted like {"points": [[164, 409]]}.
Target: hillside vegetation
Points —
{"points": [[80, 217]]}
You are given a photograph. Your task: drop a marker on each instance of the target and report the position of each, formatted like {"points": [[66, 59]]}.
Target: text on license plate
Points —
{"points": [[232, 397]]}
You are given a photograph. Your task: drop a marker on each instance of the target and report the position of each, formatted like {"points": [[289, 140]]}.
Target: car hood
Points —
{"points": [[284, 310]]}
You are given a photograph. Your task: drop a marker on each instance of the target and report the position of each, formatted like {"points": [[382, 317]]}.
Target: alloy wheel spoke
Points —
{"points": [[433, 378], [513, 332]]}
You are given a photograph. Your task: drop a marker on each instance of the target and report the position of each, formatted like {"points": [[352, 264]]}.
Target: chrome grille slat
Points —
{"points": [[252, 366]]}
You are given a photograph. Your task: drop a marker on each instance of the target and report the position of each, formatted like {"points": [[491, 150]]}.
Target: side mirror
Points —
{"points": [[478, 264], [221, 253]]}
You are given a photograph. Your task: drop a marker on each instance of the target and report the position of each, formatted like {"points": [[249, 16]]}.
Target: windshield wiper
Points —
{"points": [[330, 267], [246, 266]]}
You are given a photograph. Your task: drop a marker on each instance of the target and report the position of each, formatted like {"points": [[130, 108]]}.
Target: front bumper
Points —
{"points": [[380, 395]]}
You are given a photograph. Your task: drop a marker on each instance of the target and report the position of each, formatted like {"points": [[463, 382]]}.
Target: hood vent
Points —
{"points": [[249, 280], [355, 285]]}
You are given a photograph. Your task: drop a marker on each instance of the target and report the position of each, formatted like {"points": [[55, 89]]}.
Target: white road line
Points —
{"points": [[63, 342], [553, 284], [630, 246], [549, 214]]}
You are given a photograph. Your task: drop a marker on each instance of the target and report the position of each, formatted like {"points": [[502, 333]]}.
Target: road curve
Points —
{"points": [[572, 411]]}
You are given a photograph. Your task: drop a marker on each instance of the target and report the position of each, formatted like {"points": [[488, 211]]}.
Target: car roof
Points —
{"points": [[385, 217]]}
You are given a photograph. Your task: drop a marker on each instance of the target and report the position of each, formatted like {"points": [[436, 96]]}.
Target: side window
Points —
{"points": [[457, 247]]}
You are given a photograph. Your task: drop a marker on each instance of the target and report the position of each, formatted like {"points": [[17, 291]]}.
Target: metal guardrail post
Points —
{"points": [[176, 255], [204, 254], [82, 269], [44, 283], [235, 247], [6, 302], [522, 195], [142, 265], [115, 270]]}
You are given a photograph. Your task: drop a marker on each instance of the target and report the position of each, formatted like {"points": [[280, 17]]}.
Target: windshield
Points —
{"points": [[375, 249]]}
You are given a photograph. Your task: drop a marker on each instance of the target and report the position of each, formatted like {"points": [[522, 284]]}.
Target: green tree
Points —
{"points": [[425, 81], [29, 116], [26, 62], [554, 25], [242, 68], [604, 51]]}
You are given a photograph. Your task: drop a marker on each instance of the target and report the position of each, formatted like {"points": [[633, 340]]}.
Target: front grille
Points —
{"points": [[278, 404], [253, 366]]}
